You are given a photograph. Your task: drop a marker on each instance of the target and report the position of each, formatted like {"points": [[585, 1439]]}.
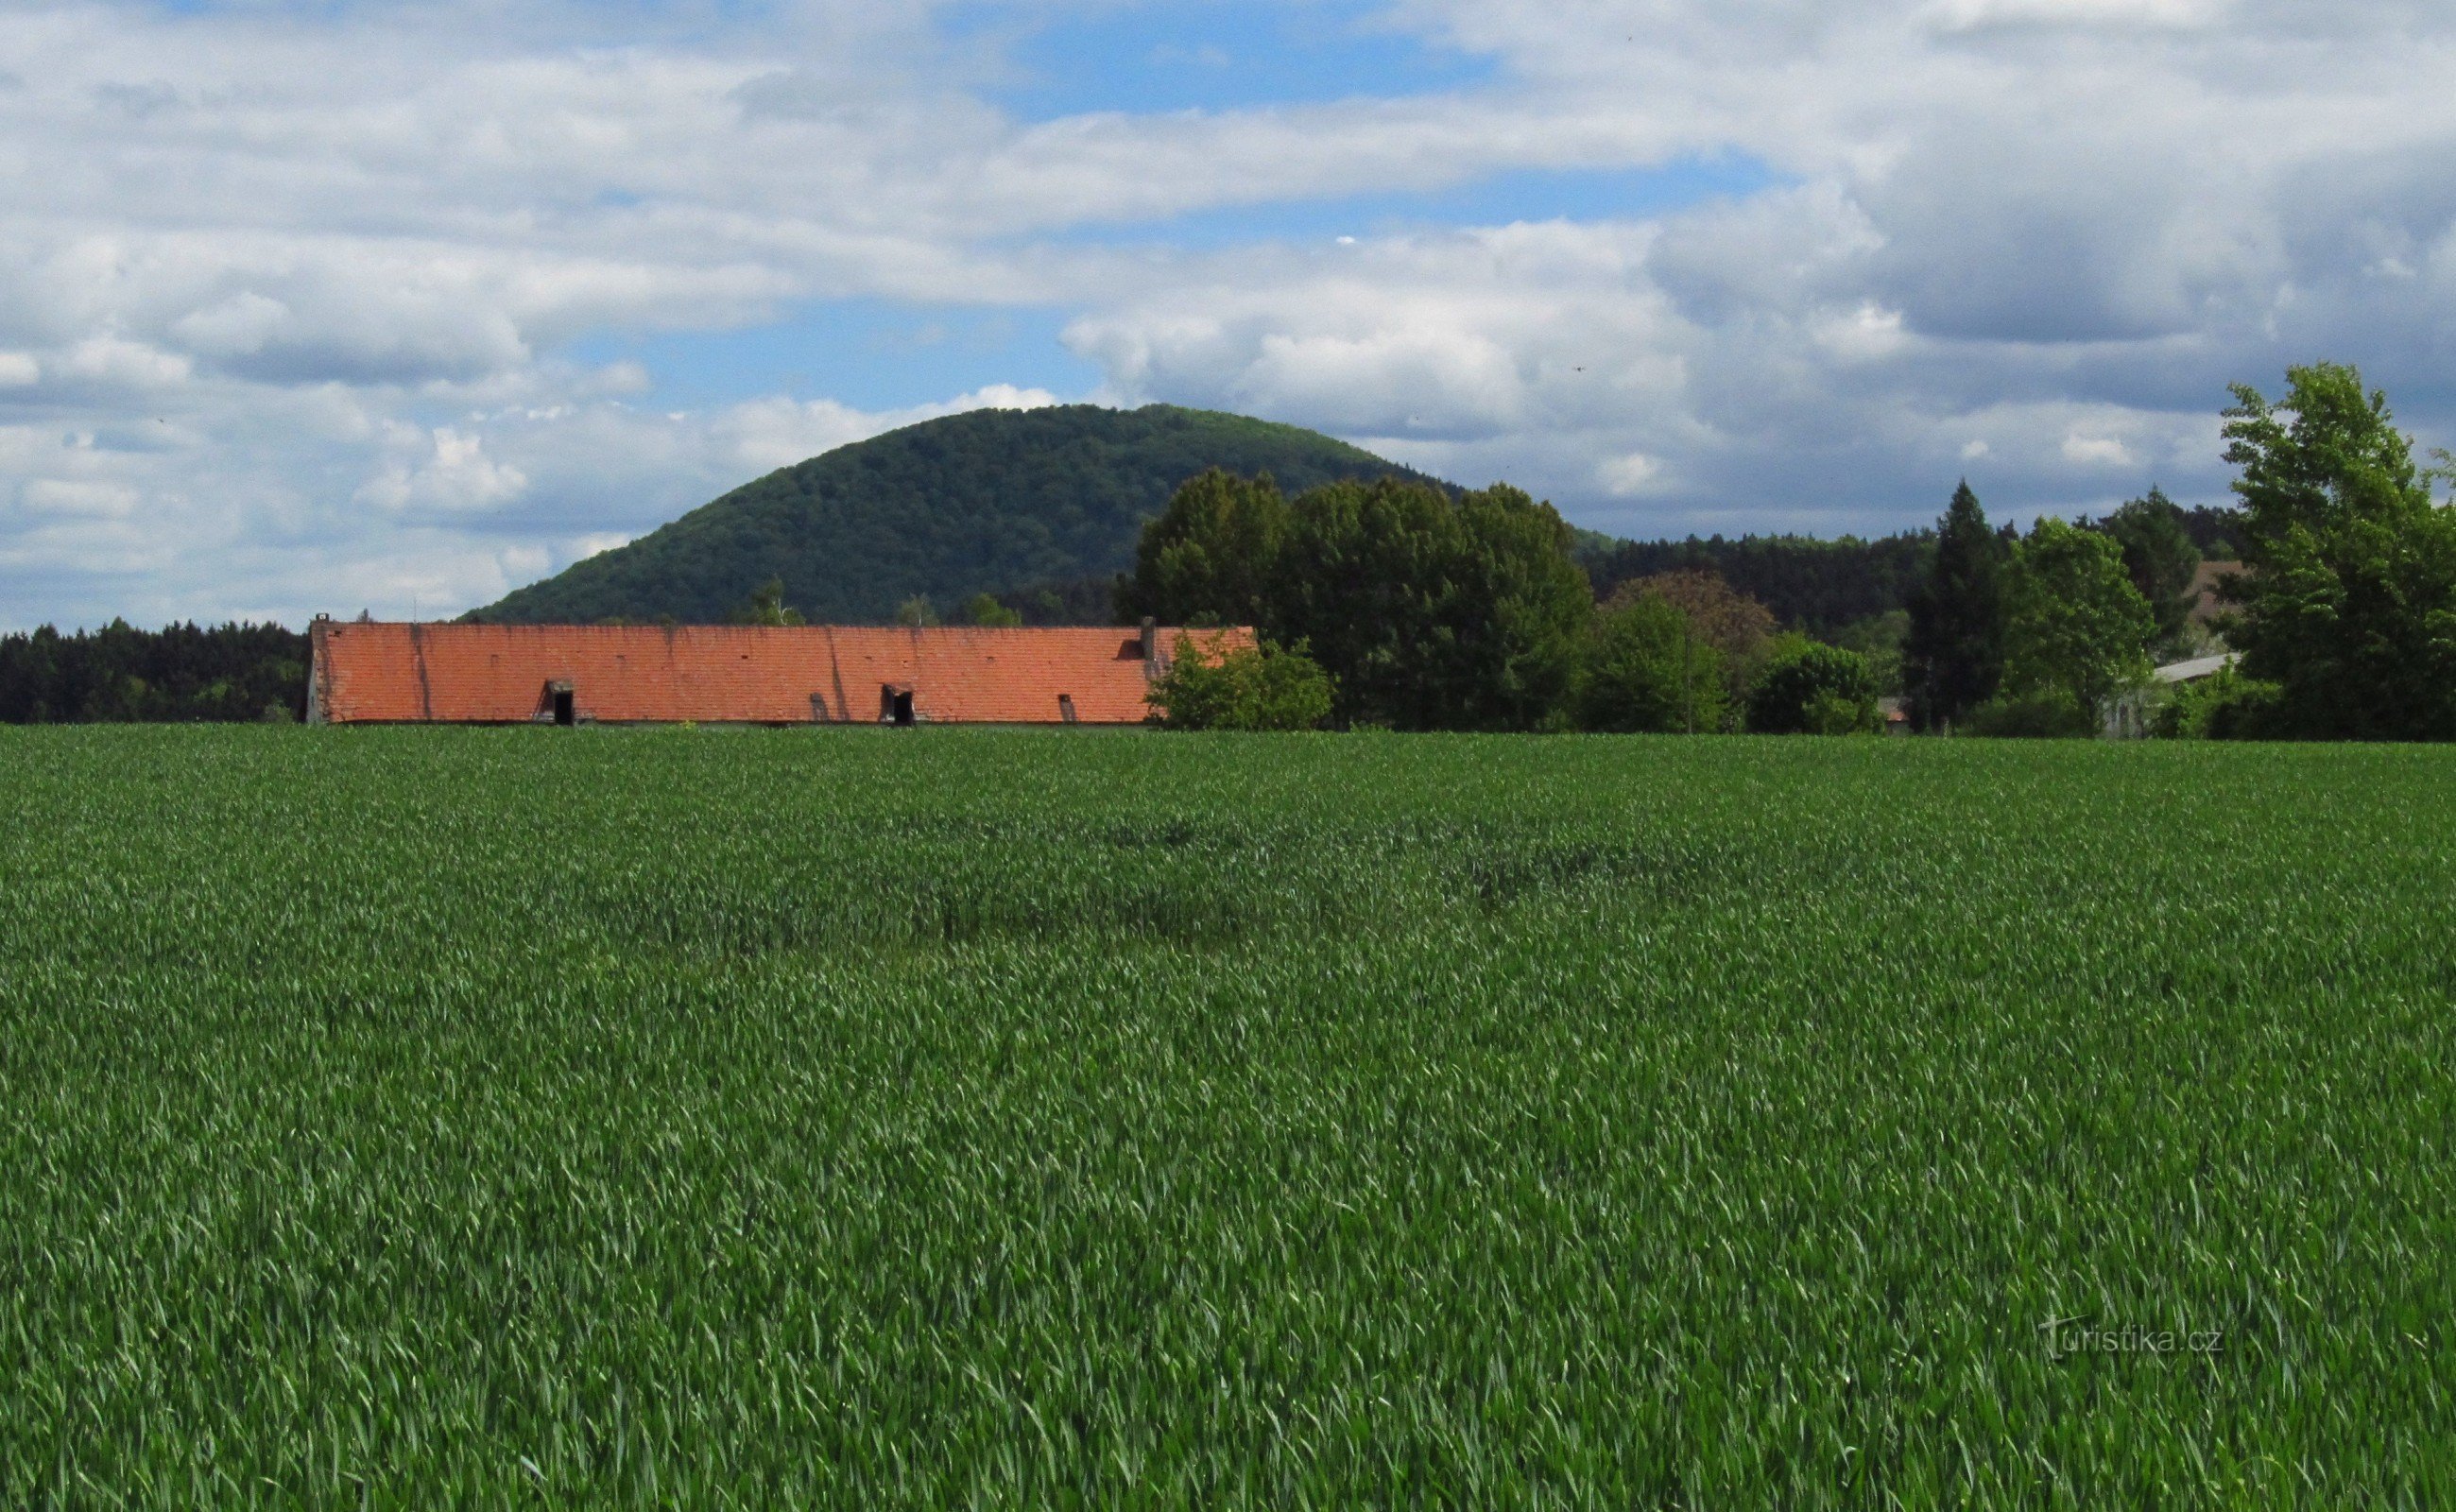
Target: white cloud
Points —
{"points": [[114, 362], [292, 299], [59, 496], [444, 471], [1969, 15], [2097, 451], [768, 434], [1624, 477]]}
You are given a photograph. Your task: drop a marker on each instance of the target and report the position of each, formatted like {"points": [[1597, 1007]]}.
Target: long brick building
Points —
{"points": [[366, 673]]}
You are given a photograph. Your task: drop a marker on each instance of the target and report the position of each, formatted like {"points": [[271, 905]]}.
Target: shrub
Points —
{"points": [[984, 610], [1259, 688], [2044, 714], [1648, 670], [1807, 688], [2227, 705]]}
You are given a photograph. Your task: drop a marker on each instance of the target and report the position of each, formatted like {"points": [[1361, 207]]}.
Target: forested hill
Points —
{"points": [[992, 501]]}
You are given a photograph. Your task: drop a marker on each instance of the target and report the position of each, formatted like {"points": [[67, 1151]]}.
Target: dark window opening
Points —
{"points": [[564, 711], [1066, 707], [895, 706]]}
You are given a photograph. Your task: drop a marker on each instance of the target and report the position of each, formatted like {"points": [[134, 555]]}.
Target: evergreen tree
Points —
{"points": [[1953, 659], [2160, 558]]}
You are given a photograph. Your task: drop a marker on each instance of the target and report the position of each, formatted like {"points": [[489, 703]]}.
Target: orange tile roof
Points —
{"points": [[503, 674]]}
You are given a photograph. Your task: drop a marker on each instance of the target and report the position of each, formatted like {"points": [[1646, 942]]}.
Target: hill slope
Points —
{"points": [[988, 501]]}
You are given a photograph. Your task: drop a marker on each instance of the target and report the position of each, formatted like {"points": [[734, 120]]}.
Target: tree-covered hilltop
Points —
{"points": [[996, 502]]}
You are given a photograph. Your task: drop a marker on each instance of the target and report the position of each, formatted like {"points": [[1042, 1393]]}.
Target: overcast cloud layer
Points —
{"points": [[308, 307]]}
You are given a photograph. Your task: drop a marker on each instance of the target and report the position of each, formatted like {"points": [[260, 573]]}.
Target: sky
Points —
{"points": [[329, 305]]}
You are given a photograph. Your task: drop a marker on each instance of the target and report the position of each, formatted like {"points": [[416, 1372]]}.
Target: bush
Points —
{"points": [[984, 610], [1806, 688], [2227, 705], [1648, 670], [2044, 714], [1260, 687]]}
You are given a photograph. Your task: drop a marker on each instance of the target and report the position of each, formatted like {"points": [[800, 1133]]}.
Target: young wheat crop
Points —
{"points": [[417, 1118]]}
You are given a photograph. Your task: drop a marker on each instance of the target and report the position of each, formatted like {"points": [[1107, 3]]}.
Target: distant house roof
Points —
{"points": [[2192, 670], [506, 674]]}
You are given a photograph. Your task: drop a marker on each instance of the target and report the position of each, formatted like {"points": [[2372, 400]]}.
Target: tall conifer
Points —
{"points": [[1954, 658]]}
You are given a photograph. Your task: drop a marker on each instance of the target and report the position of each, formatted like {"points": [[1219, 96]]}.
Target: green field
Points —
{"points": [[413, 1118]]}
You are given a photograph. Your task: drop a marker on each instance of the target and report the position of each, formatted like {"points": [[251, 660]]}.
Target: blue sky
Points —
{"points": [[319, 304], [1204, 56], [888, 353]]}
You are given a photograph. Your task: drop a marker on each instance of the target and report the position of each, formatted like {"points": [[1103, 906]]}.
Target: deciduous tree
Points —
{"points": [[1737, 627], [2350, 604], [1648, 670], [2075, 625], [1807, 688]]}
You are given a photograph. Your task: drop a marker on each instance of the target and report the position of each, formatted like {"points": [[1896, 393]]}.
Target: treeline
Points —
{"points": [[2342, 609], [1819, 586], [226, 674], [1824, 587], [1393, 603]]}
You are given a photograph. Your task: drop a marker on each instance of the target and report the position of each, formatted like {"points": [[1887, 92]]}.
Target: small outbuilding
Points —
{"points": [[362, 672]]}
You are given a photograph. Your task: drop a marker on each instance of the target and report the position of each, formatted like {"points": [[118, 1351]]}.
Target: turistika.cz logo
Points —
{"points": [[2069, 1336]]}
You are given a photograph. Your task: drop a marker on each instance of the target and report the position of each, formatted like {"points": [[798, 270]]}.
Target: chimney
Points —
{"points": [[1150, 639]]}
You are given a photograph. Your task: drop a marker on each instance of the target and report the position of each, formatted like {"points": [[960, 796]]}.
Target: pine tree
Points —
{"points": [[1954, 658]]}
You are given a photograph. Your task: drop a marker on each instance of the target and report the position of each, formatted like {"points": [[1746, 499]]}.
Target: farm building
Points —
{"points": [[367, 672]]}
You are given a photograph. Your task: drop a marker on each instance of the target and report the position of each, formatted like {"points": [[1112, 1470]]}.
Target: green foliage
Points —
{"points": [[1814, 586], [2076, 626], [1880, 639], [2350, 608], [916, 612], [1953, 659], [2226, 706], [2160, 558], [992, 501], [415, 1118], [1209, 556], [1739, 628], [1430, 611], [181, 674], [1646, 670], [1806, 688], [767, 606], [2042, 713], [1263, 687], [984, 610]]}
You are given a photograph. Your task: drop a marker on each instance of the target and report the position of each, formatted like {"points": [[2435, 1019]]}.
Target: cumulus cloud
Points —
{"points": [[444, 471], [768, 434], [290, 296]]}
